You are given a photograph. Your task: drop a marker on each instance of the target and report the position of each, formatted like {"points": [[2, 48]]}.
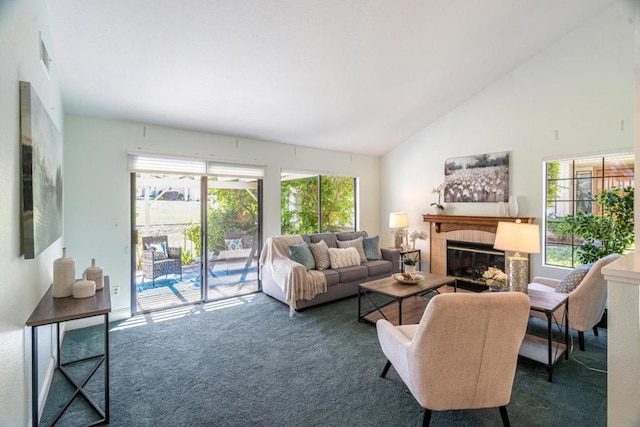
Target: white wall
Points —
{"points": [[23, 281], [97, 199], [582, 86]]}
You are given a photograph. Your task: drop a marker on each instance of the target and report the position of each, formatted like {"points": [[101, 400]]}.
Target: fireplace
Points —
{"points": [[472, 239], [468, 261]]}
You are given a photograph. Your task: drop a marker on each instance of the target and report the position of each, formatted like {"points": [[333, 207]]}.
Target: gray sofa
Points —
{"points": [[342, 282]]}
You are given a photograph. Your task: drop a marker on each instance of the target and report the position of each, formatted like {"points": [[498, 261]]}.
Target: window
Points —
{"points": [[317, 203], [570, 188]]}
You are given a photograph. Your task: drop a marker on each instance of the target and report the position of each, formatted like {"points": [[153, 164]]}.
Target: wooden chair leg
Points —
{"points": [[595, 330], [581, 340], [426, 418], [504, 416], [386, 369]]}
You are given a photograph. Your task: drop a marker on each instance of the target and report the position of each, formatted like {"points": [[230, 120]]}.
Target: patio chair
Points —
{"points": [[237, 248], [158, 259]]}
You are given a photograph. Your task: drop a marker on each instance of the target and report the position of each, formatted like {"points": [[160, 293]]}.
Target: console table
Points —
{"points": [[56, 310]]}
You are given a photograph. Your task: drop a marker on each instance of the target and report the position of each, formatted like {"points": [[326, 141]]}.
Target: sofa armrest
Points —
{"points": [[547, 281], [393, 255]]}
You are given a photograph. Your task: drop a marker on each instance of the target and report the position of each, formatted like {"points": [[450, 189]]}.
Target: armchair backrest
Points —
{"points": [[150, 240], [465, 350], [587, 301]]}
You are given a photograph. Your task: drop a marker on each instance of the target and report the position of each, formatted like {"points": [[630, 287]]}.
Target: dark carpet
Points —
{"points": [[245, 362]]}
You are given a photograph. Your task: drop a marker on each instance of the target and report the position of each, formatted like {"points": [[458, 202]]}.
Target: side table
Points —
{"points": [[56, 310], [541, 349]]}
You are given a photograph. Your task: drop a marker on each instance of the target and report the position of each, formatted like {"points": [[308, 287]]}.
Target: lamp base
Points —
{"points": [[399, 238], [518, 274]]}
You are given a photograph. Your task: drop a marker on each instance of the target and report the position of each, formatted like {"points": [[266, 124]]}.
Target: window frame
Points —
{"points": [[581, 181]]}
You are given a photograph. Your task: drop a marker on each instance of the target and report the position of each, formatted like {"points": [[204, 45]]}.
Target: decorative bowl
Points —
{"points": [[408, 278]]}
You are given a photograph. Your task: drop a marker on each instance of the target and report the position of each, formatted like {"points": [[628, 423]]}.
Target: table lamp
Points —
{"points": [[398, 221], [518, 237]]}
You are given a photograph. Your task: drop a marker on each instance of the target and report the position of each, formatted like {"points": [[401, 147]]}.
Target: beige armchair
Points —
{"points": [[587, 301], [462, 354]]}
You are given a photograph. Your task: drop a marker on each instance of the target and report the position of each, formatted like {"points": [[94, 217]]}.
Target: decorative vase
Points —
{"points": [[503, 210], [437, 211], [84, 288], [513, 206], [409, 268], [95, 274], [64, 275]]}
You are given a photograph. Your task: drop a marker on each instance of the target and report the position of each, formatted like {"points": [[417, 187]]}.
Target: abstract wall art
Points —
{"points": [[41, 160]]}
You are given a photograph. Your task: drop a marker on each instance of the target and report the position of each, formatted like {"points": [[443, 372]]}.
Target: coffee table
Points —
{"points": [[546, 350], [410, 295]]}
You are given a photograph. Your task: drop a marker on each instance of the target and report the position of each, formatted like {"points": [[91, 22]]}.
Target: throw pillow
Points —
{"points": [[355, 243], [302, 254], [233, 244], [320, 253], [571, 281], [372, 248], [341, 258], [159, 251]]}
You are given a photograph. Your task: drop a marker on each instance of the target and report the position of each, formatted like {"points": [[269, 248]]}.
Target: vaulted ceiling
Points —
{"points": [[351, 75]]}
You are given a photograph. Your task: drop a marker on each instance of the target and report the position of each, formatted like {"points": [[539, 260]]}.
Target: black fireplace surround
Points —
{"points": [[468, 261]]}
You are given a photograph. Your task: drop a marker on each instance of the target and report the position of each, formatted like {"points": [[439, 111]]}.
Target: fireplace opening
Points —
{"points": [[468, 261]]}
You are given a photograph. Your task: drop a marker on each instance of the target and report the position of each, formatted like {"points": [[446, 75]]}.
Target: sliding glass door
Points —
{"points": [[197, 237], [232, 236]]}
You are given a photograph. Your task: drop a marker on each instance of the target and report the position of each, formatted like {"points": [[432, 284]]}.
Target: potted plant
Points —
{"points": [[495, 278], [409, 264], [438, 207]]}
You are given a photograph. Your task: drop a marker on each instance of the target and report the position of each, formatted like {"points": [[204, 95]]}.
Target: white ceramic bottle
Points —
{"points": [[64, 274], [84, 288], [96, 274]]}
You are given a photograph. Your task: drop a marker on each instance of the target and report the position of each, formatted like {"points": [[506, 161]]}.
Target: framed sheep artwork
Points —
{"points": [[478, 178]]}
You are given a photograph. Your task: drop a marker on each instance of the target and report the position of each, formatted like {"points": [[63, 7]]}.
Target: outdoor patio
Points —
{"points": [[225, 280]]}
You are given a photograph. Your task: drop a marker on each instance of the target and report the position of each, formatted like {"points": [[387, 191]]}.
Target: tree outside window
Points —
{"points": [[577, 188], [317, 203]]}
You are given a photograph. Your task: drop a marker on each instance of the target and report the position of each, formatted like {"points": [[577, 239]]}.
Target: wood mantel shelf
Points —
{"points": [[444, 223]]}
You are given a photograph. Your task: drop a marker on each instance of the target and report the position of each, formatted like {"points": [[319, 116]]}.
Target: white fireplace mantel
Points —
{"points": [[623, 348]]}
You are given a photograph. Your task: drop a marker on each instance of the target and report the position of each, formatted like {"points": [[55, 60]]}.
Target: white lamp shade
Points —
{"points": [[398, 220], [518, 237]]}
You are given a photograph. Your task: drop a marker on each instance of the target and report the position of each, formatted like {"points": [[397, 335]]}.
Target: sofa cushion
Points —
{"points": [[356, 243], [572, 279], [302, 254], [372, 248], [329, 239], [341, 258], [332, 276], [379, 267], [353, 274], [350, 235], [320, 253]]}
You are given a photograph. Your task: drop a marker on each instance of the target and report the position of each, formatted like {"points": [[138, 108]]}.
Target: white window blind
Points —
{"points": [[153, 163]]}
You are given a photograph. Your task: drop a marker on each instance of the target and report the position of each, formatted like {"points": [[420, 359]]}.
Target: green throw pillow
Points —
{"points": [[372, 247], [302, 254], [571, 281]]}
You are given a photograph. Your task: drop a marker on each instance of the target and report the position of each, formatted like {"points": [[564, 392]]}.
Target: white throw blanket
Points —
{"points": [[293, 278]]}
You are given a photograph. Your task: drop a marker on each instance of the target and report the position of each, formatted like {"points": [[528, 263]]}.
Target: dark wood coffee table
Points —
{"points": [[409, 297]]}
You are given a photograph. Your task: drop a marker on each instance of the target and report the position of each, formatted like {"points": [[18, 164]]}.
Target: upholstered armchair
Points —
{"points": [[158, 259], [587, 291], [462, 354]]}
